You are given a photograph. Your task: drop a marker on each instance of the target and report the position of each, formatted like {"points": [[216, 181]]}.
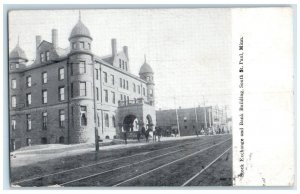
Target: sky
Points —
{"points": [[188, 49]]}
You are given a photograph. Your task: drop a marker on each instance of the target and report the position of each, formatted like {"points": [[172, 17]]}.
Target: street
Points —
{"points": [[198, 161]]}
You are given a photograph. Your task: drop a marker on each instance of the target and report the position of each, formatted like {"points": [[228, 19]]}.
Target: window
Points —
{"points": [[123, 65], [82, 88], [106, 120], [184, 119], [47, 56], [83, 118], [28, 81], [98, 120], [120, 63], [97, 93], [42, 55], [44, 77], [61, 73], [124, 83], [61, 91], [74, 45], [13, 84], [144, 92], [13, 144], [82, 67], [97, 74], [185, 127], [17, 65], [127, 99], [121, 96], [148, 78], [126, 66], [28, 99], [89, 46], [134, 89], [81, 44], [44, 119], [120, 82], [112, 78], [28, 118], [105, 76], [127, 87], [106, 95], [151, 92], [44, 96], [61, 118], [11, 66], [13, 123], [113, 119], [113, 97], [72, 91], [139, 89], [13, 101], [28, 142]]}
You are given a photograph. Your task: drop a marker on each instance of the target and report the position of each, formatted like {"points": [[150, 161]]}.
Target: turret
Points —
{"points": [[146, 73], [17, 58], [80, 38], [81, 84]]}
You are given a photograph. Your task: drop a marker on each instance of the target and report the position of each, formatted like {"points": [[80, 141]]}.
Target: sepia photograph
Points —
{"points": [[120, 97]]}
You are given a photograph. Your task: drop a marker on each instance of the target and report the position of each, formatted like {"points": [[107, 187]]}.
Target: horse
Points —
{"points": [[146, 133]]}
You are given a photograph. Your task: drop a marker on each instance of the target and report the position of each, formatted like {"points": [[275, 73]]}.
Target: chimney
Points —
{"points": [[54, 38], [125, 50], [114, 47], [38, 40]]}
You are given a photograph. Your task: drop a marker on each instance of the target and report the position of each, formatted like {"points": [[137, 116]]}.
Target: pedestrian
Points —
{"points": [[125, 137], [138, 136]]}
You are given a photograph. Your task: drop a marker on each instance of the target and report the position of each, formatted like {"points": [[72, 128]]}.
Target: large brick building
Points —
{"points": [[71, 95], [208, 120]]}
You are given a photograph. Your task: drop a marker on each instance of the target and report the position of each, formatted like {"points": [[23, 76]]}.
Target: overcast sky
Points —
{"points": [[188, 49]]}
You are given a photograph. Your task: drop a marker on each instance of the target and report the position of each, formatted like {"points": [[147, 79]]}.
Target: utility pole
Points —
{"points": [[196, 120], [177, 116], [205, 122]]}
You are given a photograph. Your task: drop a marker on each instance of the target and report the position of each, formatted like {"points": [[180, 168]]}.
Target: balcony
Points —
{"points": [[136, 101]]}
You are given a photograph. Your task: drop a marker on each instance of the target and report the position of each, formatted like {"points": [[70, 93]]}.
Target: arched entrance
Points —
{"points": [[149, 123], [130, 123]]}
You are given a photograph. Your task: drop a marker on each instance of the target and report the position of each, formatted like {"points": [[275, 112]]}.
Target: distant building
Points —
{"points": [[191, 121], [71, 95]]}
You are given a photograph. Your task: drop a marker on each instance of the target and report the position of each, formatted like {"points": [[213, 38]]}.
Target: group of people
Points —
{"points": [[157, 133]]}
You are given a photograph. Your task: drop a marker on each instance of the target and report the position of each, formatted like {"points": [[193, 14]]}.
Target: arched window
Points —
{"points": [[106, 120], [83, 117], [44, 140], [113, 121], [61, 139]]}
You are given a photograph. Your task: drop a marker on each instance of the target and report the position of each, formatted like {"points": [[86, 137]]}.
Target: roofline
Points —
{"points": [[115, 68]]}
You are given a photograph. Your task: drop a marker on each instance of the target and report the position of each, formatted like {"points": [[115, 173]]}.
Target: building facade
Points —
{"points": [[192, 121], [72, 95]]}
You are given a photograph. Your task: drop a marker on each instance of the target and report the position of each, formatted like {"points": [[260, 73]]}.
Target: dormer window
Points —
{"points": [[74, 45], [47, 56], [89, 46], [81, 44], [42, 55]]}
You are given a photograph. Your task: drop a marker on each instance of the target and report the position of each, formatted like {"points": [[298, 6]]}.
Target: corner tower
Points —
{"points": [[146, 73], [81, 82], [17, 58]]}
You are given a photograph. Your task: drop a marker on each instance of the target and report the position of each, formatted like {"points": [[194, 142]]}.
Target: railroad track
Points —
{"points": [[98, 169]]}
